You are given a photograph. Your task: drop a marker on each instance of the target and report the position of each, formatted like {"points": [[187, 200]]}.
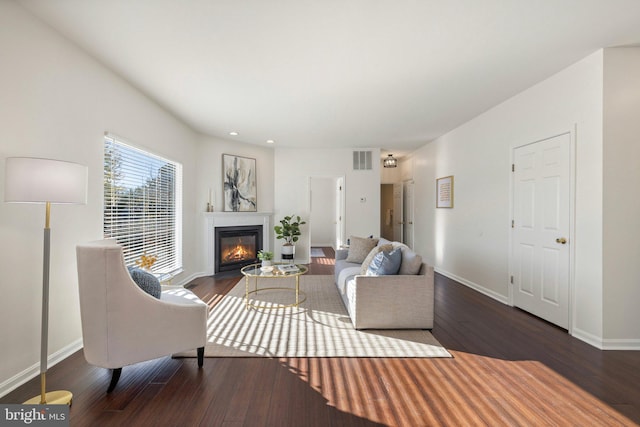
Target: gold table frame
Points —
{"points": [[254, 271]]}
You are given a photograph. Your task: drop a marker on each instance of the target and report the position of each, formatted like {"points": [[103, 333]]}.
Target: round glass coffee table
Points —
{"points": [[278, 271]]}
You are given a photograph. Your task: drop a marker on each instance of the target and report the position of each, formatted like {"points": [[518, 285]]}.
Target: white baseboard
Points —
{"points": [[587, 337], [188, 279], [606, 343], [34, 370], [596, 341], [621, 344], [488, 292]]}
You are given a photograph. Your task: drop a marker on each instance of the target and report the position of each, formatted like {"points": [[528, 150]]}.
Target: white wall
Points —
{"points": [[390, 175], [209, 178], [293, 167], [471, 241], [57, 102], [621, 199]]}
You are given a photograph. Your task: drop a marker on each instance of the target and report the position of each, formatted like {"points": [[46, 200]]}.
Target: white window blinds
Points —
{"points": [[143, 205]]}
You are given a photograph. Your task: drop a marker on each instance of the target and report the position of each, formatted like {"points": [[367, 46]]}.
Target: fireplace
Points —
{"points": [[237, 246]]}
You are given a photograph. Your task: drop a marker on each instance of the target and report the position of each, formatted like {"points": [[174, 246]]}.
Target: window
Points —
{"points": [[143, 205]]}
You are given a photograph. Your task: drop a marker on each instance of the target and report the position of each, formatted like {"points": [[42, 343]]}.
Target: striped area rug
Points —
{"points": [[319, 327]]}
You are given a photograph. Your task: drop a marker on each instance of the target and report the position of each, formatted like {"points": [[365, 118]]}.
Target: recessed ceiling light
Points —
{"points": [[270, 141], [234, 133]]}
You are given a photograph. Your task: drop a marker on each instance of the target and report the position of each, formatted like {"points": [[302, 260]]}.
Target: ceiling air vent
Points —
{"points": [[362, 161]]}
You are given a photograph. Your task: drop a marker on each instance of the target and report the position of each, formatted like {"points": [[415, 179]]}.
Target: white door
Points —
{"points": [[339, 214], [541, 224], [397, 215], [408, 213]]}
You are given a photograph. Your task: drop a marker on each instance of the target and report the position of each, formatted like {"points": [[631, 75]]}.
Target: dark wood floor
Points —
{"points": [[509, 368]]}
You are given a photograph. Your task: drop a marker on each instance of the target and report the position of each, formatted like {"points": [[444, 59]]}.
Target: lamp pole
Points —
{"points": [[58, 397]]}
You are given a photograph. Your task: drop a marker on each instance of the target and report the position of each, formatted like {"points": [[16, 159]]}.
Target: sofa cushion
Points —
{"points": [[341, 265], [411, 262], [380, 248], [385, 263], [146, 281], [383, 241], [346, 274], [359, 248]]}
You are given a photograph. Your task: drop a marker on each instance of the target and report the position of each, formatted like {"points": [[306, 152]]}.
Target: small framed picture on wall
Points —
{"points": [[444, 192]]}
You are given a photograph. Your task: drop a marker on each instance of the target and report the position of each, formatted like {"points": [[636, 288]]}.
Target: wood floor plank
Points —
{"points": [[209, 403], [509, 368], [263, 392]]}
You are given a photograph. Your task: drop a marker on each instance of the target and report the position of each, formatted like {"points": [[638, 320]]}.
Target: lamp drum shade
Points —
{"points": [[34, 180]]}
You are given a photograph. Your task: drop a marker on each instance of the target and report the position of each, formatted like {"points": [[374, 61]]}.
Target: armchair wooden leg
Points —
{"points": [[115, 376], [200, 356]]}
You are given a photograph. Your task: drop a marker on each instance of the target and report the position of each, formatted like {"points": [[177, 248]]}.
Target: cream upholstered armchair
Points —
{"points": [[122, 324]]}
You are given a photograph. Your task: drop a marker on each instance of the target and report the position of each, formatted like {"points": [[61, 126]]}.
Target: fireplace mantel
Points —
{"points": [[229, 219]]}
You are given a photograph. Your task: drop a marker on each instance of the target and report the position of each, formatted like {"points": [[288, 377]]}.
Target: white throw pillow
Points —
{"points": [[367, 261], [359, 248]]}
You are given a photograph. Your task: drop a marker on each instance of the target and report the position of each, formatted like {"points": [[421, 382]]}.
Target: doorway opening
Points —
{"points": [[327, 211], [386, 211], [396, 212]]}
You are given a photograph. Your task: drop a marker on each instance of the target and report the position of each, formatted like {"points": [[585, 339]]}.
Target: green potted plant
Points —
{"points": [[266, 257], [289, 231]]}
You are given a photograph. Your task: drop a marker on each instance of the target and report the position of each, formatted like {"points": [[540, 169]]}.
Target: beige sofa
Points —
{"points": [[404, 301]]}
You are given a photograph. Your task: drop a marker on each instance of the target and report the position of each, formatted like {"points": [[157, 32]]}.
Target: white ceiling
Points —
{"points": [[393, 74]]}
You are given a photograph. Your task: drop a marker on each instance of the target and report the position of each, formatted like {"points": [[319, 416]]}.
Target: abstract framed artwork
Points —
{"points": [[239, 178], [444, 192]]}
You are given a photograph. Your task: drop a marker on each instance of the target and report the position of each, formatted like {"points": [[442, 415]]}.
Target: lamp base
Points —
{"points": [[59, 397]]}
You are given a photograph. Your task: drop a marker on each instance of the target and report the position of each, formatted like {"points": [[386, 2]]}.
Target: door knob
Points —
{"points": [[561, 240]]}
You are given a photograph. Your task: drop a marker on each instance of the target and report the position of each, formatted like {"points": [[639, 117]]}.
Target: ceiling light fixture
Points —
{"points": [[390, 162], [270, 141], [234, 133]]}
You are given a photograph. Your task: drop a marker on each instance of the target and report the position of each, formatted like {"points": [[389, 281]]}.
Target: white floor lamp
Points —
{"points": [[32, 180]]}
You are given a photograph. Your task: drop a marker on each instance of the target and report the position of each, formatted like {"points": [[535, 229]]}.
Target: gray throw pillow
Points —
{"points": [[146, 281], [359, 248], [386, 263], [411, 262]]}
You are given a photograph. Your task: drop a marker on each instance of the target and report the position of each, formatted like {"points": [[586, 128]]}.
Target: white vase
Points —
{"points": [[266, 262], [288, 252]]}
